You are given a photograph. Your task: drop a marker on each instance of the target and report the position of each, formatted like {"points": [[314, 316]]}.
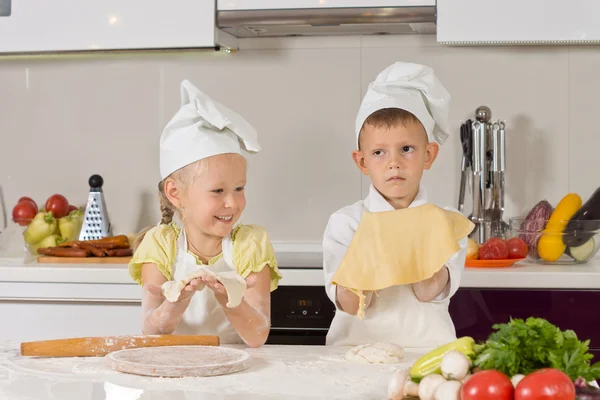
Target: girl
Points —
{"points": [[203, 178]]}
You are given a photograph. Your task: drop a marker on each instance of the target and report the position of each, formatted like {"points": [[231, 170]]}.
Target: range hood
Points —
{"points": [[270, 18]]}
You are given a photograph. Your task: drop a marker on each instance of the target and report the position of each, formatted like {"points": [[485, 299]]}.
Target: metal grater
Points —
{"points": [[96, 224]]}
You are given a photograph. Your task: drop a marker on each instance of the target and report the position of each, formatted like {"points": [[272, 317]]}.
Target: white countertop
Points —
{"points": [[303, 269], [277, 372]]}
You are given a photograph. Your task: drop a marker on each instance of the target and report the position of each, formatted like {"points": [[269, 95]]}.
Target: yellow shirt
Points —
{"points": [[252, 250]]}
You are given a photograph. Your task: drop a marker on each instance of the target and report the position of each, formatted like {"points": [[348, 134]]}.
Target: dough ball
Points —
{"points": [[376, 353]]}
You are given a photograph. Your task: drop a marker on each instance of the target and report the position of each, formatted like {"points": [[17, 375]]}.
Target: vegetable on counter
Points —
{"points": [[431, 363], [487, 385], [534, 224], [24, 212], [472, 249], [58, 205], [43, 225], [493, 249], [70, 225], [582, 226], [522, 347], [547, 384], [550, 245]]}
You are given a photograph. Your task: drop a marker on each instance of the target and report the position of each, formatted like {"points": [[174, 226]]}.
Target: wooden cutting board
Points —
{"points": [[83, 260], [103, 345], [179, 361]]}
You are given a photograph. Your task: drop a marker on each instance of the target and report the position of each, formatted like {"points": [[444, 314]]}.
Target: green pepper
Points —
{"points": [[431, 363], [41, 226], [70, 225]]}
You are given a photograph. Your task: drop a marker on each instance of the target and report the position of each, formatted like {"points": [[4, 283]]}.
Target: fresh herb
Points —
{"points": [[522, 347]]}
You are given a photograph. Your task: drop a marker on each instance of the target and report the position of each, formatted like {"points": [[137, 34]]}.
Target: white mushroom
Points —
{"points": [[455, 365], [516, 379], [465, 379], [428, 385], [401, 386], [449, 390]]}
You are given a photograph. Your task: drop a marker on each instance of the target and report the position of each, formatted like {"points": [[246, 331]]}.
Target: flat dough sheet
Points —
{"points": [[233, 283], [400, 247]]}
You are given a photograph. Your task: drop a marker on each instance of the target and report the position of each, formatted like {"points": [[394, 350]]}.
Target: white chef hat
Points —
{"points": [[411, 87], [203, 128]]}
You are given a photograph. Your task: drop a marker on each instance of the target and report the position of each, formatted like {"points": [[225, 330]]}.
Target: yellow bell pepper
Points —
{"points": [[431, 362]]}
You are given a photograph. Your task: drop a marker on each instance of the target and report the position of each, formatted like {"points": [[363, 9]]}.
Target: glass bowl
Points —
{"points": [[562, 242]]}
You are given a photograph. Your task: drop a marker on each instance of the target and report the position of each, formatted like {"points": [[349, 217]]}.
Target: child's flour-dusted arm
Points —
{"points": [[160, 316], [338, 235]]}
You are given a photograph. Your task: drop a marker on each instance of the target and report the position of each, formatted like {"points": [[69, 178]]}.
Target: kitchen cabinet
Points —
{"points": [[518, 22], [474, 311]]}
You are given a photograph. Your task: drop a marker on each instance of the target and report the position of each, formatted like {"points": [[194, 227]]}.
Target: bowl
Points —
{"points": [[558, 242]]}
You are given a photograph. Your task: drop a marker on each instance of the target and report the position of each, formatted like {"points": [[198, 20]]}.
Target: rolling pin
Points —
{"points": [[103, 345]]}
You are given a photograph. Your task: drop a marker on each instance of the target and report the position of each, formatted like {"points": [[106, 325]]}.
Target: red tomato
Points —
{"points": [[26, 198], [547, 384], [73, 208], [517, 248], [487, 385], [493, 249], [24, 212], [58, 204]]}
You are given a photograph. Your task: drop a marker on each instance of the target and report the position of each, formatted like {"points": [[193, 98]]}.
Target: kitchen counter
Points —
{"points": [[277, 372], [303, 269]]}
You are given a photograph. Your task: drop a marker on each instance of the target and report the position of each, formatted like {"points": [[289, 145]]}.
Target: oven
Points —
{"points": [[301, 312]]}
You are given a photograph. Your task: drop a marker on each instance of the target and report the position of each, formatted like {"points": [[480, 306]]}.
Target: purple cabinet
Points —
{"points": [[474, 311]]}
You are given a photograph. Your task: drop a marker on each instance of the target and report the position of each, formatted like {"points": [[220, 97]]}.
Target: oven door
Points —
{"points": [[300, 315]]}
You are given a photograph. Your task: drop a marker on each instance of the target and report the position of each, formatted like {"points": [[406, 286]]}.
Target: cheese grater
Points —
{"points": [[96, 224]]}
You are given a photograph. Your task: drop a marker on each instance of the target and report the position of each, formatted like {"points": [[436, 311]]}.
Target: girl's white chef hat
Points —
{"points": [[411, 87], [203, 128]]}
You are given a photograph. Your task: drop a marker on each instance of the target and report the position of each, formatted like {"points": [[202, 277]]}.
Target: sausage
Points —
{"points": [[95, 251], [63, 252], [121, 242], [120, 253]]}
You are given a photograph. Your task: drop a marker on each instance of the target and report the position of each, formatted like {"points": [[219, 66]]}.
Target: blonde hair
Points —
{"points": [[184, 176], [388, 118]]}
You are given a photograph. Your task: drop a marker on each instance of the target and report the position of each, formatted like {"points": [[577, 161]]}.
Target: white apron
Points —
{"points": [[394, 314], [204, 315]]}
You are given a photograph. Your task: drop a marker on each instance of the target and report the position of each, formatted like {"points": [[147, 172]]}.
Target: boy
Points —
{"points": [[402, 116]]}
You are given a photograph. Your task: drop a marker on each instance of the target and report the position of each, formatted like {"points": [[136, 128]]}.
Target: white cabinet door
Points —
{"points": [[518, 21], [75, 25], [43, 310], [45, 320]]}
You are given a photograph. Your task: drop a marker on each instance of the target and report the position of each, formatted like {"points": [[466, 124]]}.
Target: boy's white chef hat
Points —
{"points": [[411, 87], [203, 128]]}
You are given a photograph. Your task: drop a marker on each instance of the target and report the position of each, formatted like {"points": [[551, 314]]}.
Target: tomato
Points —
{"points": [[517, 248], [73, 208], [487, 385], [26, 198], [24, 212], [494, 249], [547, 383], [58, 204]]}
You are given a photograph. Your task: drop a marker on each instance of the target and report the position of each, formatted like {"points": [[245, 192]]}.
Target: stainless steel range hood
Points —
{"points": [[327, 21]]}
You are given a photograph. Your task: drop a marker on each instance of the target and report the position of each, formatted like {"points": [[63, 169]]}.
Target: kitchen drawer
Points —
{"points": [[474, 311]]}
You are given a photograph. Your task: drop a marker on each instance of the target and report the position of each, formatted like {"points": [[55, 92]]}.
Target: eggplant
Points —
{"points": [[584, 224]]}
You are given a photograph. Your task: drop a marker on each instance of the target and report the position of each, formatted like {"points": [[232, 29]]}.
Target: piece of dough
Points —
{"points": [[376, 353], [400, 247], [233, 283]]}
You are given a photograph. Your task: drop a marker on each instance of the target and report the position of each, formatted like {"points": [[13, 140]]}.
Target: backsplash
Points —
{"points": [[76, 116]]}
